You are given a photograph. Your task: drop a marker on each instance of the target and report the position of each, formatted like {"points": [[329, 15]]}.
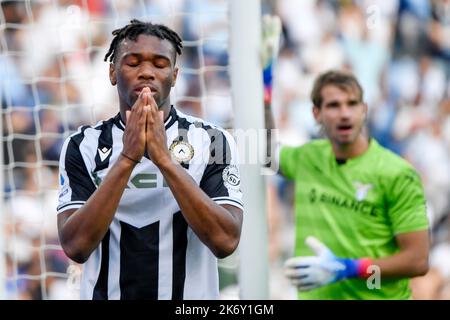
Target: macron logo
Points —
{"points": [[104, 153]]}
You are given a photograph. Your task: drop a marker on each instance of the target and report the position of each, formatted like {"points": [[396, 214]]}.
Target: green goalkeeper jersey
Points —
{"points": [[356, 209]]}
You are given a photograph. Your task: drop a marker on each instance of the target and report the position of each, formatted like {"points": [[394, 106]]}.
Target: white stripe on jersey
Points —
{"points": [[91, 271], [204, 273], [165, 261], [114, 261]]}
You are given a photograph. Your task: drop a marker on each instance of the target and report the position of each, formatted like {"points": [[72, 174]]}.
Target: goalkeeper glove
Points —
{"points": [[271, 31], [312, 272]]}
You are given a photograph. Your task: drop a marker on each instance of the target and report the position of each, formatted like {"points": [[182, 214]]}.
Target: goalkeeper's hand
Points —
{"points": [[270, 44], [312, 272]]}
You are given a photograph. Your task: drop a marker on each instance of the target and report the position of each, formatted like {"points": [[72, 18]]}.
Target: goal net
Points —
{"points": [[52, 80]]}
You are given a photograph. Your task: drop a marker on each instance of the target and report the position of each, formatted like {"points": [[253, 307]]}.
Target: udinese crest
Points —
{"points": [[181, 151]]}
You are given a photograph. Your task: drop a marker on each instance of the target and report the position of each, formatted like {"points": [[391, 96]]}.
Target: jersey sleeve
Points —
{"points": [[221, 179], [75, 185], [406, 201], [288, 163]]}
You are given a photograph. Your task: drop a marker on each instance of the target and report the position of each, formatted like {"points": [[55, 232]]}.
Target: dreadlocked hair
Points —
{"points": [[135, 28]]}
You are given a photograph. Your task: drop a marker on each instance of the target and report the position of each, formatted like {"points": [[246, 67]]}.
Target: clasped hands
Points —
{"points": [[145, 130]]}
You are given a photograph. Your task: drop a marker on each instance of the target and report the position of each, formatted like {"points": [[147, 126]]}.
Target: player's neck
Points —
{"points": [[353, 150], [166, 110]]}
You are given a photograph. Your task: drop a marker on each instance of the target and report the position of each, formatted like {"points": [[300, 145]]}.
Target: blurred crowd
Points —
{"points": [[53, 78]]}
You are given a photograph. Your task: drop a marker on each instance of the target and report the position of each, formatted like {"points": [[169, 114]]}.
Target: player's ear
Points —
{"points": [[317, 114], [112, 74], [174, 76]]}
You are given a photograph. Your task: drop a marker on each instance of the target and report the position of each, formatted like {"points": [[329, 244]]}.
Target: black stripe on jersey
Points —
{"points": [[105, 143], [101, 287], [172, 117], [118, 121], [219, 150], [219, 158], [80, 180], [179, 255], [139, 259]]}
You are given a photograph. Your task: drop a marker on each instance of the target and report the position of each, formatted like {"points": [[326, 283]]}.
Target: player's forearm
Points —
{"points": [[85, 228], [412, 258], [214, 225], [406, 264]]}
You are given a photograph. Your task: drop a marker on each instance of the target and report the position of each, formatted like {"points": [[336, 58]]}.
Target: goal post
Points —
{"points": [[2, 213], [246, 84]]}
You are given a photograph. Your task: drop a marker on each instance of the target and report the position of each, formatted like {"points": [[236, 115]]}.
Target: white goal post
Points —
{"points": [[246, 82]]}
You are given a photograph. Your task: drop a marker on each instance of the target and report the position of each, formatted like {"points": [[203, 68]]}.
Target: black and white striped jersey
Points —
{"points": [[149, 251]]}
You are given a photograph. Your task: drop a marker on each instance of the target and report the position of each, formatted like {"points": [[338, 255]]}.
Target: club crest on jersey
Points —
{"points": [[362, 190], [231, 177], [181, 151]]}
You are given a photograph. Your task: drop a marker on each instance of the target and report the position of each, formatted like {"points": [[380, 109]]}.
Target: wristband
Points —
{"points": [[355, 268], [363, 265], [124, 155]]}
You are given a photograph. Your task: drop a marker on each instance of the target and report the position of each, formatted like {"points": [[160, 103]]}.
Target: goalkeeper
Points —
{"points": [[361, 224]]}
